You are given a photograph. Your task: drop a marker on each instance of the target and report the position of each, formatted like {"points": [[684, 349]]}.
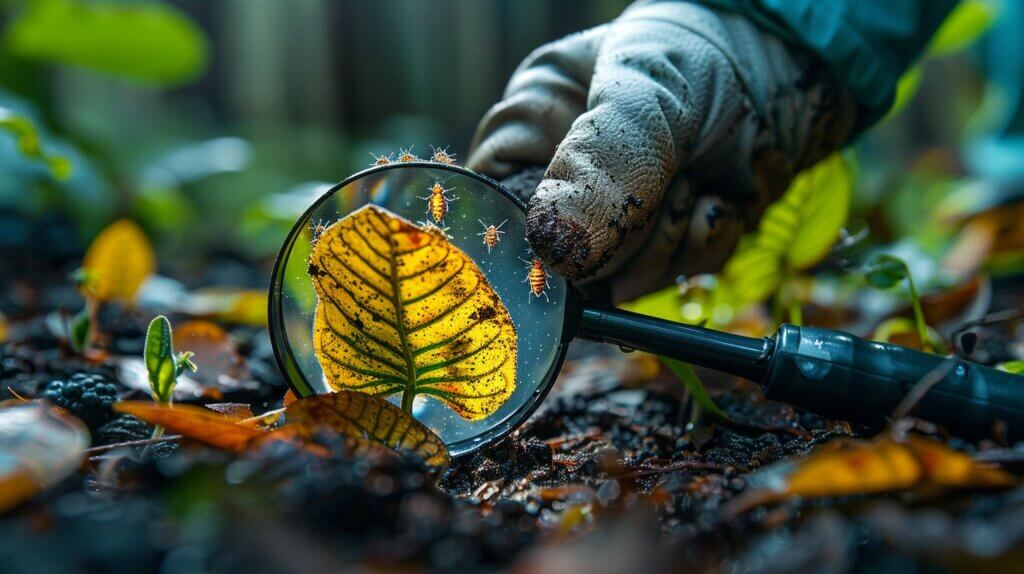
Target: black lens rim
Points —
{"points": [[293, 373]]}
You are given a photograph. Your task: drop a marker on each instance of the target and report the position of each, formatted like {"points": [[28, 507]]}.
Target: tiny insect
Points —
{"points": [[316, 230], [406, 155], [538, 280], [380, 159], [492, 234], [437, 202], [442, 156]]}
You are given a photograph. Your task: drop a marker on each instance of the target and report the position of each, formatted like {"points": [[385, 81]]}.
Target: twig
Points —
{"points": [[922, 387], [141, 442], [683, 465]]}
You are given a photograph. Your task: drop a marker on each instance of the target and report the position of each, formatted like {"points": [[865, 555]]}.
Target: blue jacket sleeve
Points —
{"points": [[868, 44]]}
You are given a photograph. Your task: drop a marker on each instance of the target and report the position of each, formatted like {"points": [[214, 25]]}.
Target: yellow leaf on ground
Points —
{"points": [[846, 467], [854, 467], [118, 261], [402, 310], [196, 423], [369, 417], [38, 448], [943, 466]]}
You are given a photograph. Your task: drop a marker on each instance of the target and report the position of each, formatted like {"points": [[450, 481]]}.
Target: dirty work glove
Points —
{"points": [[665, 135]]}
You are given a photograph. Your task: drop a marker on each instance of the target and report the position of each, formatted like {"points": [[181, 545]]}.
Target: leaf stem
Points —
{"points": [[922, 327]]}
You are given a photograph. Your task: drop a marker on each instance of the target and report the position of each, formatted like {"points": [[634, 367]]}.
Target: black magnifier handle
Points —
{"points": [[832, 373]]}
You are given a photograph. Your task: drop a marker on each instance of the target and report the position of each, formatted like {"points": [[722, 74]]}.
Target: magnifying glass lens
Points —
{"points": [[472, 204]]}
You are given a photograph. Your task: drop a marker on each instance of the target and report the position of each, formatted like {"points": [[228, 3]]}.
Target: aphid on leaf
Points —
{"points": [[538, 279], [442, 156], [406, 155], [492, 234], [316, 229], [380, 159], [437, 202]]}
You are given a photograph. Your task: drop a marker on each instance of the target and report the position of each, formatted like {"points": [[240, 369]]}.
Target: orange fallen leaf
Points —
{"points": [[854, 467], [236, 411], [196, 423], [290, 397], [215, 352], [846, 467], [944, 466]]}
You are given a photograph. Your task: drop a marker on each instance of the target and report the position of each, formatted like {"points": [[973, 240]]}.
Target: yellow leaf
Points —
{"points": [[197, 423], [944, 466], [363, 416], [855, 467], [242, 307], [38, 448], [402, 310], [3, 328], [119, 260]]}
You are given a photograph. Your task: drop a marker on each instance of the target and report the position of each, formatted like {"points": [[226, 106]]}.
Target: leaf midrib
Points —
{"points": [[403, 337]]}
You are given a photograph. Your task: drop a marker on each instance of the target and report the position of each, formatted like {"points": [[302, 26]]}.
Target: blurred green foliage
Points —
{"points": [[145, 41]]}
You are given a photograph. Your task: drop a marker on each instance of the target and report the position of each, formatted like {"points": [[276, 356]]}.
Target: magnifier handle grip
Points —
{"points": [[842, 376]]}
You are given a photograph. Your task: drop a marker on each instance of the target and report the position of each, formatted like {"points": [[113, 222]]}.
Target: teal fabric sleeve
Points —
{"points": [[868, 44]]}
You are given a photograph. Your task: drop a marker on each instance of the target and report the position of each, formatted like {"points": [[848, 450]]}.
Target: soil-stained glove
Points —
{"points": [[665, 135]]}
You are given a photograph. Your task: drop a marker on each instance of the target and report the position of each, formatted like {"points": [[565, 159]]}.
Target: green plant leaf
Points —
{"points": [[146, 41], [78, 331], [906, 89], [970, 20], [795, 233], [664, 304], [885, 271], [401, 310], [28, 140], [692, 383], [1015, 367], [160, 360]]}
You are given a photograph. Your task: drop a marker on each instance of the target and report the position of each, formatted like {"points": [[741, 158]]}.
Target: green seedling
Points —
{"points": [[162, 363], [884, 271]]}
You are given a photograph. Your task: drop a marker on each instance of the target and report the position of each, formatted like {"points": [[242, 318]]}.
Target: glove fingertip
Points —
{"points": [[562, 241]]}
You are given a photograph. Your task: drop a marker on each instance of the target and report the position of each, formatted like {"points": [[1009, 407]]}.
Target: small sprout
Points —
{"points": [[442, 156], [162, 364], [78, 331], [380, 159], [406, 155], [884, 271]]}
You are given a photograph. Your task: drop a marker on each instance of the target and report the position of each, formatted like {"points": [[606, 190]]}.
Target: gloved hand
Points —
{"points": [[665, 135]]}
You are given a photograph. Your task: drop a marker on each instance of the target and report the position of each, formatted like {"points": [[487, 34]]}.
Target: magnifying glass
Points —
{"points": [[829, 372]]}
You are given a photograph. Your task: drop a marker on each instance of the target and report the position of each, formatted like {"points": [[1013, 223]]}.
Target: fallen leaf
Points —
{"points": [[38, 448], [197, 423], [846, 467], [854, 467], [237, 411], [243, 307], [943, 466], [289, 397], [369, 417], [215, 352], [117, 262], [402, 310]]}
